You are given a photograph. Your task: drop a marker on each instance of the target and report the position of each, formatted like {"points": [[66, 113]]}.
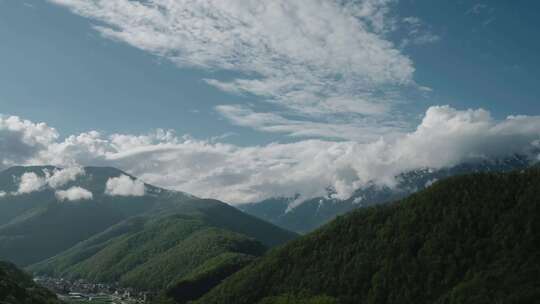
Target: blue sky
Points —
{"points": [[261, 87], [57, 68]]}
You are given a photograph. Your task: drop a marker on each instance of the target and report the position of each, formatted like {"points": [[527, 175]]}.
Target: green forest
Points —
{"points": [[468, 239], [17, 287]]}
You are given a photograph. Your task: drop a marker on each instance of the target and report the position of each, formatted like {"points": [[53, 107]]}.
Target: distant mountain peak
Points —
{"points": [[306, 215]]}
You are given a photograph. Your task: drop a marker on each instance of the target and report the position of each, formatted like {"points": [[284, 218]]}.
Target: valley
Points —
{"points": [[269, 152], [182, 249]]}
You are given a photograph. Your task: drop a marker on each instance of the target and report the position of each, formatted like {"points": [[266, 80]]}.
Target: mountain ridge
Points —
{"points": [[467, 239], [312, 213], [45, 226]]}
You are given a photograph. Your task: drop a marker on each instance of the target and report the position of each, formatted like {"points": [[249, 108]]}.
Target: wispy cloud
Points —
{"points": [[310, 58], [483, 11], [361, 130], [418, 33], [477, 9]]}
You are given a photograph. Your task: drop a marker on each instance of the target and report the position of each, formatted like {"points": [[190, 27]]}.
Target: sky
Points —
{"points": [[247, 99]]}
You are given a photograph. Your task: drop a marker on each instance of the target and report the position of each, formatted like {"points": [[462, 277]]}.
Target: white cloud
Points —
{"points": [[22, 139], [63, 176], [31, 182], [124, 186], [418, 33], [73, 194], [363, 130], [2, 194], [207, 168], [313, 58]]}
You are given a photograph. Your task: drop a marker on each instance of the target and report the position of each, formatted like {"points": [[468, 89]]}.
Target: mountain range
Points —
{"points": [[313, 213], [148, 240], [433, 238], [467, 239]]}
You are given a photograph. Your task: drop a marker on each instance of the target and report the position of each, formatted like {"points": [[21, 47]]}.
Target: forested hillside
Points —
{"points": [[42, 226], [37, 225], [149, 254], [313, 213], [468, 239], [16, 287]]}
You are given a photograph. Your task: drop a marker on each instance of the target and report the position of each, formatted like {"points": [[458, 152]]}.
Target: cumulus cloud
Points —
{"points": [[63, 176], [73, 194], [2, 194], [209, 168], [310, 58], [124, 186], [31, 182], [22, 139]]}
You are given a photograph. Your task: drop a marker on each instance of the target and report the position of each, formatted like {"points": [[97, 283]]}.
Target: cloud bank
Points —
{"points": [[445, 137], [73, 194], [124, 186]]}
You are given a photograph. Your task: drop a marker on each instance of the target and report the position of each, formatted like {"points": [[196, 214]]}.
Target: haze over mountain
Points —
{"points": [[466, 239], [304, 216]]}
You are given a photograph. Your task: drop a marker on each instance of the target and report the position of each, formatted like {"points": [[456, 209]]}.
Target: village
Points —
{"points": [[81, 291]]}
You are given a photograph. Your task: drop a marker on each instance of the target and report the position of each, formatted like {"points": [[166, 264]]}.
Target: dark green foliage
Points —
{"points": [[222, 215], [207, 276], [149, 253], [35, 226], [301, 298], [16, 287], [469, 239], [56, 228]]}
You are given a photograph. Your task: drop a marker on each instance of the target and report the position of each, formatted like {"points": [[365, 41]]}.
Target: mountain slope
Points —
{"points": [[47, 226], [148, 253], [41, 226], [16, 287], [200, 242], [313, 213], [468, 239]]}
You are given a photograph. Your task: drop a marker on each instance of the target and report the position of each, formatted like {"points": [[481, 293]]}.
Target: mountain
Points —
{"points": [[37, 225], [42, 225], [149, 253], [153, 252], [16, 287], [313, 213], [467, 239]]}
